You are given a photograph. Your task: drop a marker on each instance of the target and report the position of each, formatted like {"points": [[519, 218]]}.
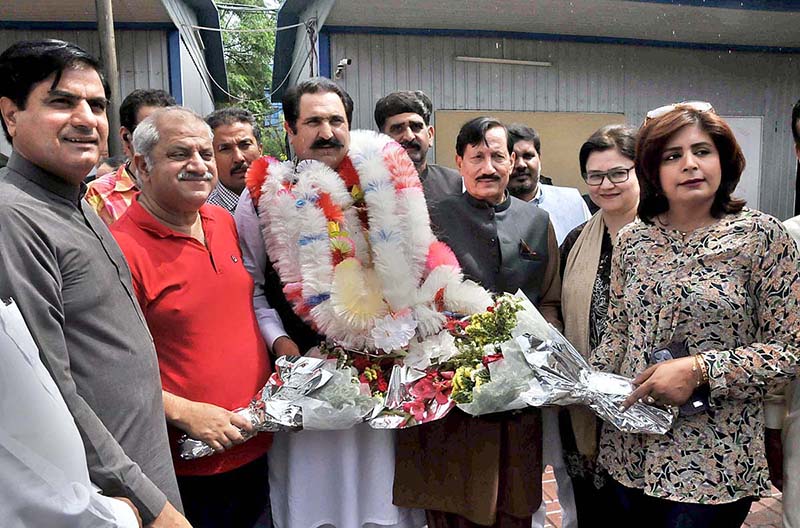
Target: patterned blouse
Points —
{"points": [[598, 309], [734, 288]]}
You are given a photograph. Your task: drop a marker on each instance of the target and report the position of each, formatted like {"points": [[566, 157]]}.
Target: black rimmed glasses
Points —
{"points": [[615, 175], [700, 106]]}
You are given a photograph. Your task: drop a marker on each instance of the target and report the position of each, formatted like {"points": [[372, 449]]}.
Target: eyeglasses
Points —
{"points": [[616, 175], [700, 106]]}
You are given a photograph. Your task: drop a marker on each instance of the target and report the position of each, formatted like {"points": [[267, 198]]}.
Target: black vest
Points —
{"points": [[503, 247]]}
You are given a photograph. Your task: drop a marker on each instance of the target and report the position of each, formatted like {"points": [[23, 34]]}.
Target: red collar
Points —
{"points": [[147, 222]]}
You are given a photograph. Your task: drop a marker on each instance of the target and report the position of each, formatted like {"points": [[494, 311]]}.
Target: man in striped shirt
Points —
{"points": [[237, 144]]}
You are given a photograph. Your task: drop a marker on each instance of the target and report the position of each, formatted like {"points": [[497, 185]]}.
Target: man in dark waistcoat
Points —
{"points": [[406, 118], [484, 471]]}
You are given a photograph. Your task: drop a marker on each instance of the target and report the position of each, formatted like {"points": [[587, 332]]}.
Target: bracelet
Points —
{"points": [[700, 365]]}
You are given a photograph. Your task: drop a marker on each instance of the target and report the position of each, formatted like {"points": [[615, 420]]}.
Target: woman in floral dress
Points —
{"points": [[719, 285]]}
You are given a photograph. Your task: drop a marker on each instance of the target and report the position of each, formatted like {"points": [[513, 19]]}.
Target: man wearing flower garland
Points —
{"points": [[196, 297], [338, 478], [476, 471], [405, 117]]}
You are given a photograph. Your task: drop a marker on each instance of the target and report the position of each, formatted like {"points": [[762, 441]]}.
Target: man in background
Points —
{"points": [[237, 144], [567, 211], [565, 204], [110, 195], [406, 117]]}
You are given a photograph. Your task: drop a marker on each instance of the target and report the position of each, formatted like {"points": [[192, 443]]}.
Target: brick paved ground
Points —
{"points": [[765, 513]]}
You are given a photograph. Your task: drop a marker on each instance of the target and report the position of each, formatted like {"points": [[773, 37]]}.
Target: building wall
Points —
{"points": [[195, 78], [583, 78], [141, 56]]}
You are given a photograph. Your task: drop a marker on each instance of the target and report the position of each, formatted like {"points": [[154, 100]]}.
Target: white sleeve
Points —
{"points": [[254, 258], [43, 472], [36, 493]]}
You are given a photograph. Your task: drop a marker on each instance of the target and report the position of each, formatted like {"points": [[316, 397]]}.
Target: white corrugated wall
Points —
{"points": [[583, 78]]}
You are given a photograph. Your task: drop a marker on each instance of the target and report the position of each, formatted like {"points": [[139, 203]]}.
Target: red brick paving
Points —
{"points": [[765, 513]]}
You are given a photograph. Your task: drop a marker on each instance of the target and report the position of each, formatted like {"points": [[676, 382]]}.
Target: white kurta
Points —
{"points": [[342, 479]]}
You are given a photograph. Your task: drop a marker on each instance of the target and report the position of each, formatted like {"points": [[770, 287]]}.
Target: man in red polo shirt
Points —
{"points": [[197, 298]]}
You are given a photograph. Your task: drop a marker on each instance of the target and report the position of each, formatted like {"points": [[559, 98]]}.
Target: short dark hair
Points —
{"points": [[291, 98], [795, 121], [653, 137], [137, 99], [231, 115], [473, 132], [413, 102], [113, 161], [29, 62], [620, 137], [519, 132]]}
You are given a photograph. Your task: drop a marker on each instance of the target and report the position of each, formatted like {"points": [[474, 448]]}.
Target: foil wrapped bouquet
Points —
{"points": [[298, 392], [506, 358]]}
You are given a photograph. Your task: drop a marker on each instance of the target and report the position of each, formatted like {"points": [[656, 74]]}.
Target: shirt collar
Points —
{"points": [[147, 222], [539, 198], [480, 204], [124, 179], [46, 180]]}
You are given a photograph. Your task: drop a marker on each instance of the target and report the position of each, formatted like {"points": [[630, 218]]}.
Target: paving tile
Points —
{"points": [[766, 513]]}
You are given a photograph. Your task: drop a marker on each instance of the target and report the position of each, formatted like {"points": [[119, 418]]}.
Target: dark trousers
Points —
{"points": [[591, 503], [235, 499], [637, 509], [438, 519]]}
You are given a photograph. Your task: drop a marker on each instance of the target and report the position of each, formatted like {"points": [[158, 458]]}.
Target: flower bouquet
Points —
{"points": [[278, 405], [359, 264], [355, 392], [565, 377], [508, 357], [475, 363]]}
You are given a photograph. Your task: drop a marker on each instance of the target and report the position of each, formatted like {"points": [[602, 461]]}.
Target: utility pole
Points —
{"points": [[108, 54]]}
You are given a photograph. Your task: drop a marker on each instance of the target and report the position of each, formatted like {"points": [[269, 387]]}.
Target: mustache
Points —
{"points": [[327, 143], [411, 144], [191, 176], [242, 165]]}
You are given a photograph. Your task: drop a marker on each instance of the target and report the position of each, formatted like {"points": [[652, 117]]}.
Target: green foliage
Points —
{"points": [[248, 60]]}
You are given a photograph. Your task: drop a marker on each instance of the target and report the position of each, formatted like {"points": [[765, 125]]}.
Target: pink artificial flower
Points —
{"points": [[440, 254], [404, 174], [423, 389], [416, 408], [491, 358]]}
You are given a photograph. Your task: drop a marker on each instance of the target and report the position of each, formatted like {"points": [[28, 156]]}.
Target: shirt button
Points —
{"points": [[492, 240]]}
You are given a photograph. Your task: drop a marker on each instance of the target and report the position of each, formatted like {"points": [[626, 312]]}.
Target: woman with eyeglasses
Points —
{"points": [[606, 161], [716, 287]]}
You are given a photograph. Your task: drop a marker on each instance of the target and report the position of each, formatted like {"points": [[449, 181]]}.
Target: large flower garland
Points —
{"points": [[355, 251]]}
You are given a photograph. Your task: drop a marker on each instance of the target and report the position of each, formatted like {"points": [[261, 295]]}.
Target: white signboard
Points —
{"points": [[748, 133]]}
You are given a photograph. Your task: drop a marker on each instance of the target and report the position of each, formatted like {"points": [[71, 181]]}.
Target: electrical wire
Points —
{"points": [[243, 99], [254, 30], [246, 8]]}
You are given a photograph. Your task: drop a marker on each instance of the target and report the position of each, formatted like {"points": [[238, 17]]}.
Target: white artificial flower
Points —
{"points": [[394, 332], [436, 348]]}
